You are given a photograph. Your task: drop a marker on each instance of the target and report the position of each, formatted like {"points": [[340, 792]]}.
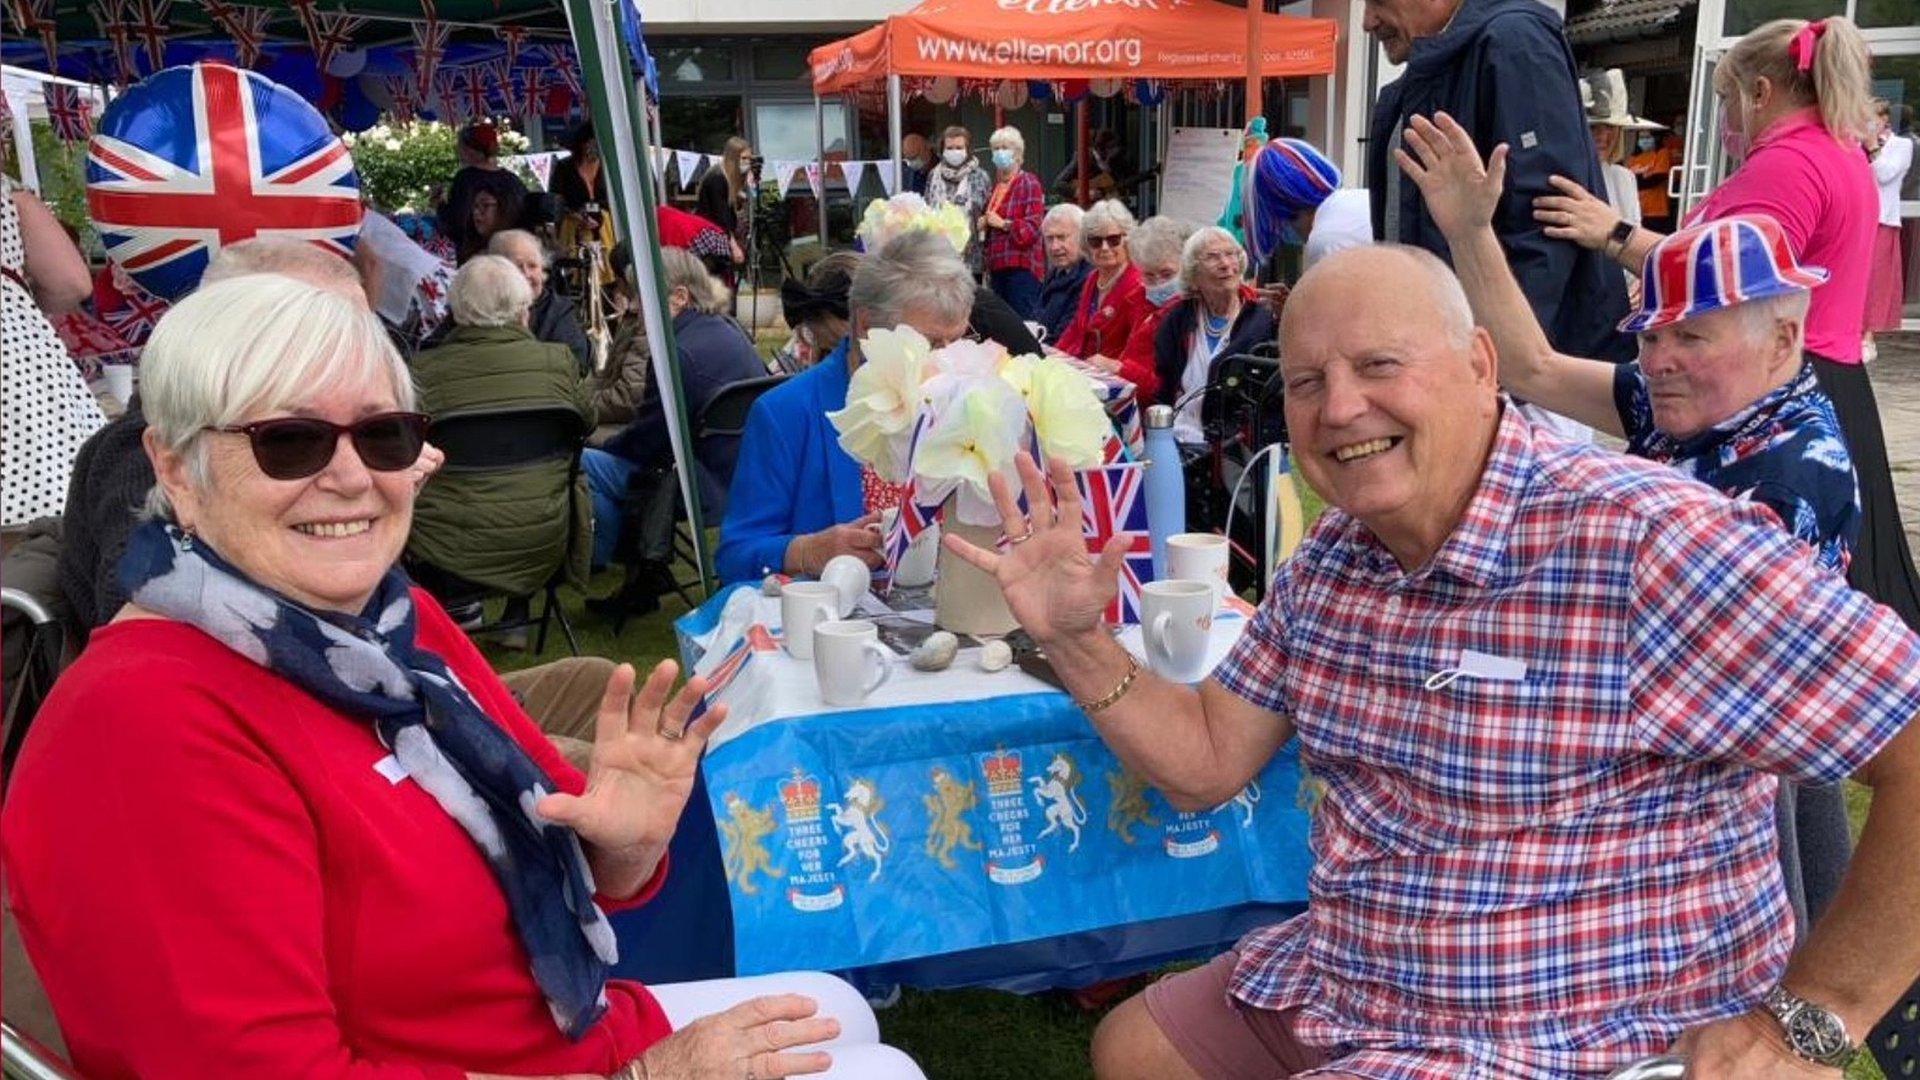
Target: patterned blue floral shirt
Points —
{"points": [[1785, 452]]}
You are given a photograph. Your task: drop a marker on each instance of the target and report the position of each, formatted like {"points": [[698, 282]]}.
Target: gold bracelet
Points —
{"points": [[1114, 695]]}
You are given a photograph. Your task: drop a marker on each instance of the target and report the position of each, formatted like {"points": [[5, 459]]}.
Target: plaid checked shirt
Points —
{"points": [[1018, 246], [1554, 875]]}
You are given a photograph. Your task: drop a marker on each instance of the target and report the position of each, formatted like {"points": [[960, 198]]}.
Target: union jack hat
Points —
{"points": [[1285, 178], [1716, 265]]}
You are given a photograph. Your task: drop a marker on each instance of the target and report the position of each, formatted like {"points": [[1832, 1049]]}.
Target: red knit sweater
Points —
{"points": [[213, 881]]}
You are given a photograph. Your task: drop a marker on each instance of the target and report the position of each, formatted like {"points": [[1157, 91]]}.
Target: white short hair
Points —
{"points": [[1158, 240], [293, 258], [1009, 138], [1067, 212], [1197, 243], [1106, 213], [502, 243], [1758, 317], [251, 346], [489, 291], [916, 270]]}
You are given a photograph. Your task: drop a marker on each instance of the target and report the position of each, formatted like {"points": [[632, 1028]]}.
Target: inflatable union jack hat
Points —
{"points": [[1716, 265], [198, 157], [1286, 178]]}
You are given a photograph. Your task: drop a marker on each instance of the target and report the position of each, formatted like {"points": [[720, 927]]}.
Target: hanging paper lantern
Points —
{"points": [[347, 63], [1105, 88], [943, 90], [249, 158], [1012, 94], [1071, 90], [1148, 92], [1039, 90]]}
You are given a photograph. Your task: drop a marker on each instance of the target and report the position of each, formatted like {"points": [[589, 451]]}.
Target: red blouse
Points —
{"points": [[213, 880]]}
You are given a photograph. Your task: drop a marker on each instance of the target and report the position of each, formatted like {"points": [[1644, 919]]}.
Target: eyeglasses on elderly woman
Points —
{"points": [[296, 447]]}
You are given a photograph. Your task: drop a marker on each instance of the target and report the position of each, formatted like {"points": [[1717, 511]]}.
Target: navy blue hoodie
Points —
{"points": [[1503, 69]]}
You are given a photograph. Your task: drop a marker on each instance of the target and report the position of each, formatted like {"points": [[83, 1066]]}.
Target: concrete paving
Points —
{"points": [[1896, 385]]}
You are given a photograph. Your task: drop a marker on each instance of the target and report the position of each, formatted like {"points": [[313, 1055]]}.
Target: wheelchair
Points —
{"points": [[1240, 414]]}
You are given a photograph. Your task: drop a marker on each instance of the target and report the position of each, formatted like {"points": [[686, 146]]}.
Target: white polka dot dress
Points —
{"points": [[46, 410]]}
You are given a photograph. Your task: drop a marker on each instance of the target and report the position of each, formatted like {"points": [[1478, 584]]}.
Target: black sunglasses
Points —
{"points": [[1108, 240], [296, 447]]}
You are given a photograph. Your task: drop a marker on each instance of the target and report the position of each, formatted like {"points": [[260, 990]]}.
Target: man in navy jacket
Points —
{"points": [[1503, 69]]}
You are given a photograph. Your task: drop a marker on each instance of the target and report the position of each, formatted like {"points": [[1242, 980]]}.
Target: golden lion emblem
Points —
{"points": [[1130, 806], [947, 806], [746, 830]]}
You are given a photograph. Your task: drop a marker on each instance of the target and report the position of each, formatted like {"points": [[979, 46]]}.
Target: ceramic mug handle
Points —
{"points": [[1162, 624], [883, 664]]}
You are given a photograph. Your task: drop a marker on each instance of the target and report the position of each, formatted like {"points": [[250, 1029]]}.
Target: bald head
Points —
{"points": [[296, 259], [1387, 268], [1391, 400]]}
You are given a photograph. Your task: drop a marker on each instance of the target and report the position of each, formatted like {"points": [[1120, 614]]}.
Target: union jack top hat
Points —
{"points": [[1716, 265]]}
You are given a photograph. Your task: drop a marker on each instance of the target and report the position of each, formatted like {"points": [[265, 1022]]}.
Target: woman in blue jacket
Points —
{"points": [[798, 499]]}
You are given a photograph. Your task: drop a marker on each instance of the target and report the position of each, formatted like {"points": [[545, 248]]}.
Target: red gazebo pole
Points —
{"points": [[1255, 9]]}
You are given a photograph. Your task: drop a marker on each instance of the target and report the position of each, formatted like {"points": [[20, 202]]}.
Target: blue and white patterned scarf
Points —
{"points": [[369, 666]]}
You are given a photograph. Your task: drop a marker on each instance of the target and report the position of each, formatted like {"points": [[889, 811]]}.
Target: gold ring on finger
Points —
{"points": [[1021, 539], [670, 734]]}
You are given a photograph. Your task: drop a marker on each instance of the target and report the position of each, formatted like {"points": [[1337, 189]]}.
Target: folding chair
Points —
{"points": [[656, 493], [24, 1058], [504, 440]]}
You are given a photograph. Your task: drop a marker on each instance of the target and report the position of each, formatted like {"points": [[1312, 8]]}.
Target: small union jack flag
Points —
{"points": [[128, 309], [250, 158], [1113, 503], [913, 517], [69, 112]]}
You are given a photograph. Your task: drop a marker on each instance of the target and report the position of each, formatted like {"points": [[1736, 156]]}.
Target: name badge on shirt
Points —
{"points": [[391, 768], [1479, 665]]}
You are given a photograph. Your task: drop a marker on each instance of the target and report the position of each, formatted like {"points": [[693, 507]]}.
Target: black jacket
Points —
{"points": [[1172, 342], [554, 318], [714, 354], [995, 320], [1503, 69], [1059, 294]]}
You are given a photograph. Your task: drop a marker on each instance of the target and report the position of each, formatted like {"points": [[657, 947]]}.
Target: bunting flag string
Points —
{"points": [[401, 89], [69, 112], [515, 37], [502, 72], [566, 63], [447, 100], [429, 44], [247, 26], [328, 34], [150, 22], [36, 17], [111, 16], [536, 90], [477, 102]]}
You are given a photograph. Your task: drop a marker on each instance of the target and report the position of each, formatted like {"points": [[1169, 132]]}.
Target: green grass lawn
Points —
{"points": [[958, 1033]]}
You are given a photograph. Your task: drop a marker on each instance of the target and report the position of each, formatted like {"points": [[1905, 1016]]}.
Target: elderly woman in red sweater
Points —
{"points": [[281, 819], [1114, 299]]}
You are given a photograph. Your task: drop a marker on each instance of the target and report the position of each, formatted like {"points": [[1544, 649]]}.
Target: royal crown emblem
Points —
{"points": [[801, 796], [1003, 773]]}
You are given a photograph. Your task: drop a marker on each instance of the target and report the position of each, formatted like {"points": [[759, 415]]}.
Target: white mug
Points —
{"points": [[804, 605], [1176, 621], [849, 660], [1199, 557], [119, 378]]}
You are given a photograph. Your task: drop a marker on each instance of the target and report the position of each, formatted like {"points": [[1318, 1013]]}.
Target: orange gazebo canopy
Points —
{"points": [[1073, 39]]}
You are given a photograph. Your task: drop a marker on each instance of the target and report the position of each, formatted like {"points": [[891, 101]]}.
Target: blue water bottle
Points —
{"points": [[1166, 488]]}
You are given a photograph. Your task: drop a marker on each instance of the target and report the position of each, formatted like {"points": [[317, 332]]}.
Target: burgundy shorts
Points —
{"points": [[1220, 1036]]}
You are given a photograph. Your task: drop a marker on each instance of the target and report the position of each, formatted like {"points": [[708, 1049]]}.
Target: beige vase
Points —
{"points": [[966, 599]]}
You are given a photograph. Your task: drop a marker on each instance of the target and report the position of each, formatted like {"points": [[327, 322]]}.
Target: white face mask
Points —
{"points": [[954, 158]]}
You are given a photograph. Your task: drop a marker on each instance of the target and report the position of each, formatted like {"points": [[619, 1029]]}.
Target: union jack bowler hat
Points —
{"points": [[1716, 265]]}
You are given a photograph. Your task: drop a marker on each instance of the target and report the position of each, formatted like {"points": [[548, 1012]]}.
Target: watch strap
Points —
{"points": [[1787, 1007]]}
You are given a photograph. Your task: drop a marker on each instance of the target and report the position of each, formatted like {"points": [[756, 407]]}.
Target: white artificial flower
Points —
{"points": [[884, 399]]}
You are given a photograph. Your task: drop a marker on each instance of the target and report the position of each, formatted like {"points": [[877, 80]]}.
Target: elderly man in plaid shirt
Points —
{"points": [[1551, 691]]}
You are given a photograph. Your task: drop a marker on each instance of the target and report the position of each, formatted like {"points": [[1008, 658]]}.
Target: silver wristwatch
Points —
{"points": [[1815, 1033]]}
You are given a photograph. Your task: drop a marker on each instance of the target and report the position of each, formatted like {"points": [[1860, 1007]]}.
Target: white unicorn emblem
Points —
{"points": [[1059, 792], [1248, 797], [862, 836]]}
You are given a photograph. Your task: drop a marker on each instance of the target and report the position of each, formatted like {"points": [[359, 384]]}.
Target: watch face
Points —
{"points": [[1818, 1034]]}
